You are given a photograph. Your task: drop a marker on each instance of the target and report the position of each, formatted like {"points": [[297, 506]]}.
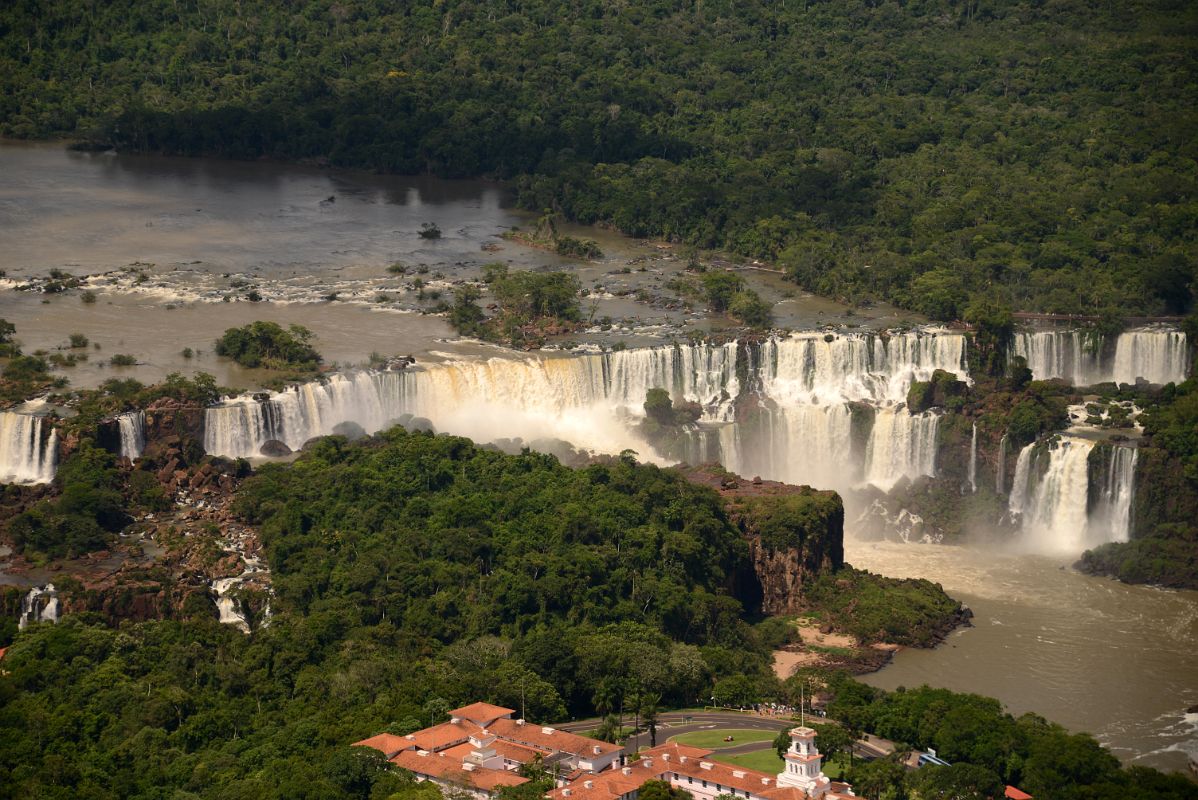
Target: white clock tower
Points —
{"points": [[803, 764]]}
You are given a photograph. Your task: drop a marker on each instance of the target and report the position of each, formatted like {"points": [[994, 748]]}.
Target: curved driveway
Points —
{"points": [[673, 723]]}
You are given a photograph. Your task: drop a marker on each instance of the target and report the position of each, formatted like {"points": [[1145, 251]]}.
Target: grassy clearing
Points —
{"points": [[762, 760], [714, 739], [767, 761]]}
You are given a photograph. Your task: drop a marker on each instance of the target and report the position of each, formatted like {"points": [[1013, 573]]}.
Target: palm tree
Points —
{"points": [[649, 709], [633, 693], [609, 729], [605, 698]]}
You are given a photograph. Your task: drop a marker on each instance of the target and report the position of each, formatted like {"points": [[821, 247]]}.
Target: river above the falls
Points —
{"points": [[226, 243], [1092, 654]]}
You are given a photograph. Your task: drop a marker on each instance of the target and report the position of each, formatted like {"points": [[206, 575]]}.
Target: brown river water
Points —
{"points": [[1115, 660], [1096, 655]]}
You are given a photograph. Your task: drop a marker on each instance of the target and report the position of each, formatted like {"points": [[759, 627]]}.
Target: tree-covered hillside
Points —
{"points": [[917, 151], [455, 541]]}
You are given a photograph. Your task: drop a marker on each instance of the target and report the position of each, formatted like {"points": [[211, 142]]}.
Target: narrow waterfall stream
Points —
{"points": [[132, 427], [28, 451], [40, 605], [973, 460]]}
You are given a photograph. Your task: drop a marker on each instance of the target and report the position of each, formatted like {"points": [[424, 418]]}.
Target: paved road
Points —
{"points": [[725, 719], [673, 723]]}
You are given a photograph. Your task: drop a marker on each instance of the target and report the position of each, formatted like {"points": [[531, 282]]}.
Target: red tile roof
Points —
{"points": [[436, 765], [531, 735], [386, 743], [610, 784], [704, 769], [458, 751], [785, 793], [1015, 794], [517, 752], [444, 735], [481, 713]]}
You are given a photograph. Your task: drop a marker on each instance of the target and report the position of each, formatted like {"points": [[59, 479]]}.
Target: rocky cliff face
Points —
{"points": [[171, 424], [1163, 493], [795, 534]]}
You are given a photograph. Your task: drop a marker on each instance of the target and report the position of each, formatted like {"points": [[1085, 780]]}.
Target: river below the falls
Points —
{"points": [[1092, 654]]}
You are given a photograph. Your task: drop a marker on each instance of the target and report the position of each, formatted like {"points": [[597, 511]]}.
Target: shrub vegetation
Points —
{"points": [[267, 344]]}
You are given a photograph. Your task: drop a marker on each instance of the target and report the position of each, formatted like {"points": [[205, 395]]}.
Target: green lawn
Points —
{"points": [[768, 761], [714, 739], [763, 760]]}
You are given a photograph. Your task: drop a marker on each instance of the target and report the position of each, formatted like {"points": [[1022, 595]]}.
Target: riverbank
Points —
{"points": [[1039, 628], [820, 648]]}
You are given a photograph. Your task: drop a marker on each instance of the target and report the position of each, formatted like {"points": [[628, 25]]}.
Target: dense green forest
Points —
{"points": [[414, 573], [458, 541], [920, 152]]}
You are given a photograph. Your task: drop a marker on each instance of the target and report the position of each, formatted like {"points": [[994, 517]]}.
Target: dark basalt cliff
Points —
{"points": [[795, 533]]}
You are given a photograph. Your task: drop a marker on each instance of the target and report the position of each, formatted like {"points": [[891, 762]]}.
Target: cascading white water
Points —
{"points": [[1051, 493], [228, 608], [132, 427], [901, 445], [585, 399], [1155, 355], [40, 605], [809, 368], [812, 377], [27, 455], [1000, 475], [1110, 516], [801, 445], [973, 460], [803, 431]]}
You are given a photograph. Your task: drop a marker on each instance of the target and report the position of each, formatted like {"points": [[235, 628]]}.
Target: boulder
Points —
{"points": [[274, 449], [350, 430], [420, 424]]}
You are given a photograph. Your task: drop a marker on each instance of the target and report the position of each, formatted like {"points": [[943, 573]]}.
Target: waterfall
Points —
{"points": [[1110, 516], [132, 427], [26, 455], [1155, 355], [901, 445], [1000, 476], [973, 460], [1059, 507], [1050, 492], [585, 400], [809, 368], [40, 605], [821, 409], [802, 445], [229, 609]]}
